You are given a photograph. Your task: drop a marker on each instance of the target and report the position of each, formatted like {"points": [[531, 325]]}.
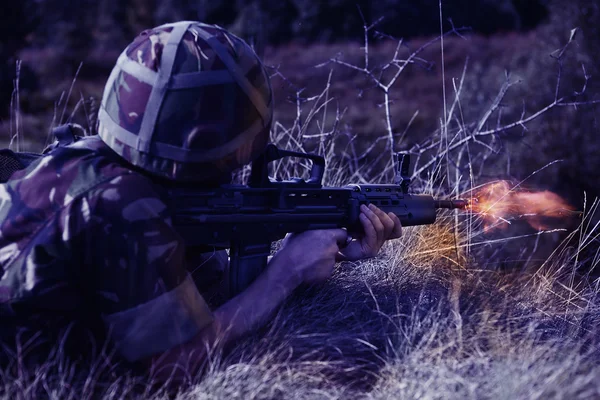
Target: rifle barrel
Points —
{"points": [[451, 204]]}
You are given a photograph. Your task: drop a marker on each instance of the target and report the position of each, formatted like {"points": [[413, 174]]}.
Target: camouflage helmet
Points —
{"points": [[187, 101]]}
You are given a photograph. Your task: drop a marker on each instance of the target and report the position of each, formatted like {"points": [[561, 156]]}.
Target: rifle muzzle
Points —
{"points": [[451, 204]]}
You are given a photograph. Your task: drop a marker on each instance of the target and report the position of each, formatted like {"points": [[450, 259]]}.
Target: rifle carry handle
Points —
{"points": [[259, 176]]}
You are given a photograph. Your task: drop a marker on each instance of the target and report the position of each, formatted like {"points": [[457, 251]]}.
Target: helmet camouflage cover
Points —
{"points": [[188, 102]]}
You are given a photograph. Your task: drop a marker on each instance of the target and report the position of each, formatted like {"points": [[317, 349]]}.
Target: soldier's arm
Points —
{"points": [[308, 257], [140, 285], [238, 316], [150, 304]]}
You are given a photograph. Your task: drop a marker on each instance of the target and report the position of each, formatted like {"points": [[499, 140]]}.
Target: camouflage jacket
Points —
{"points": [[81, 233]]}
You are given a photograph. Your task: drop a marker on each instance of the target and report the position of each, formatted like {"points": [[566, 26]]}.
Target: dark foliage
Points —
{"points": [[16, 23]]}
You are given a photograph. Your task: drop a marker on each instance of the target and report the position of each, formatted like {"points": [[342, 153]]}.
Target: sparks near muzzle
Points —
{"points": [[248, 218]]}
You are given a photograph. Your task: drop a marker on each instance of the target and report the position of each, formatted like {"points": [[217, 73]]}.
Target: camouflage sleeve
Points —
{"points": [[148, 300]]}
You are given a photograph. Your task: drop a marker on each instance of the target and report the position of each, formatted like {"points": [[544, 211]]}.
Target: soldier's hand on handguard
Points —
{"points": [[378, 227]]}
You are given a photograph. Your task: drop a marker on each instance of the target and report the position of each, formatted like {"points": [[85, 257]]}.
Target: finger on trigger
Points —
{"points": [[340, 236]]}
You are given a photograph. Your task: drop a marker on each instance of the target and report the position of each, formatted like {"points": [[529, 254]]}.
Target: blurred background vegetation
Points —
{"points": [[58, 35], [58, 40]]}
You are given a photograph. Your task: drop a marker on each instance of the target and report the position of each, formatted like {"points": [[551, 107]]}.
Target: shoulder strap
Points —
{"points": [[11, 161], [65, 135]]}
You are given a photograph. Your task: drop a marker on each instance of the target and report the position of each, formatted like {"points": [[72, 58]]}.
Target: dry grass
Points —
{"points": [[420, 321]]}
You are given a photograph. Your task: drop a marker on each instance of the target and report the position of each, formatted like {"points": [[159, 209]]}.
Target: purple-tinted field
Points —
{"points": [[448, 311]]}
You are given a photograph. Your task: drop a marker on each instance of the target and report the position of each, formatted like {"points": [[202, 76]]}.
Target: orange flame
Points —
{"points": [[499, 204]]}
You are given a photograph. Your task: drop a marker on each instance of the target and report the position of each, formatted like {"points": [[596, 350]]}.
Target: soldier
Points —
{"points": [[85, 232]]}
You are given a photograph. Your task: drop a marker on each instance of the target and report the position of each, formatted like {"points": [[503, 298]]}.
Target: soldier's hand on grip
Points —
{"points": [[312, 254]]}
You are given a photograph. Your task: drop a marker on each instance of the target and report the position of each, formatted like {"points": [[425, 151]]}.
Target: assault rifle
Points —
{"points": [[248, 218]]}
